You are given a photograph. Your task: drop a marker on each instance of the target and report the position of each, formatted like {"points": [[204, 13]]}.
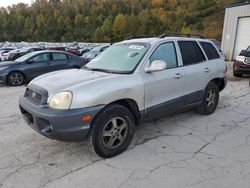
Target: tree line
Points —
{"points": [[109, 20]]}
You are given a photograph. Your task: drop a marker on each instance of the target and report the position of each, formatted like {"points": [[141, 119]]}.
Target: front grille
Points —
{"points": [[33, 95], [36, 94]]}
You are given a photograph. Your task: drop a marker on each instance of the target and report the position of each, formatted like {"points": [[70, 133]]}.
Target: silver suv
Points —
{"points": [[134, 80]]}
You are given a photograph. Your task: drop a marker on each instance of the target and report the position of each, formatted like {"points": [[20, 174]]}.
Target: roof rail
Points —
{"points": [[137, 37], [181, 35]]}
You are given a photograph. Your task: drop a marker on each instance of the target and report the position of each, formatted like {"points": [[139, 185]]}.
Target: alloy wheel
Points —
{"points": [[114, 133], [16, 79], [211, 98]]}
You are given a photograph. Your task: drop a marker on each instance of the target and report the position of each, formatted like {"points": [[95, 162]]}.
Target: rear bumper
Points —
{"points": [[63, 125]]}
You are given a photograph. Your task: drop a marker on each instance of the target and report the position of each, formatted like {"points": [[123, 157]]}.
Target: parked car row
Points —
{"points": [[25, 64], [10, 54], [31, 65]]}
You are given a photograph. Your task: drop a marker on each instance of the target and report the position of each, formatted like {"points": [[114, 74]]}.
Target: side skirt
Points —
{"points": [[168, 108]]}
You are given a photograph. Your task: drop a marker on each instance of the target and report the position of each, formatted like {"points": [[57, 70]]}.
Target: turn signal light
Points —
{"points": [[86, 118]]}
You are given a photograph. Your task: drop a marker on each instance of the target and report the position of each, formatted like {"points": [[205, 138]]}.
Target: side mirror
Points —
{"points": [[243, 53], [30, 61], [157, 65]]}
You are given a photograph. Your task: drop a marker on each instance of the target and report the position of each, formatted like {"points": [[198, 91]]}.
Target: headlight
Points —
{"points": [[61, 100], [2, 68], [240, 58]]}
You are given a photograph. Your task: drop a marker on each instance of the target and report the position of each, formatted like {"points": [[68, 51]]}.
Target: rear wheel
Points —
{"points": [[15, 78], [112, 131], [210, 99]]}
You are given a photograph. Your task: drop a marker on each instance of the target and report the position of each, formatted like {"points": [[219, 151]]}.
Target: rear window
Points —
{"points": [[210, 50], [190, 52]]}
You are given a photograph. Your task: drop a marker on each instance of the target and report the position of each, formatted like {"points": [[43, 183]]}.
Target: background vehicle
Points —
{"points": [[11, 54], [23, 51], [94, 52], [138, 79], [242, 63], [57, 48], [3, 53], [31, 65], [83, 51]]}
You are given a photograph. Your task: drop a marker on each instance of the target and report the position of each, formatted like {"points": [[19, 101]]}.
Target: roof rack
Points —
{"points": [[137, 37], [181, 35]]}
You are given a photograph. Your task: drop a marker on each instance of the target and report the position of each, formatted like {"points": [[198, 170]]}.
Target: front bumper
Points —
{"points": [[241, 68], [63, 125], [3, 75]]}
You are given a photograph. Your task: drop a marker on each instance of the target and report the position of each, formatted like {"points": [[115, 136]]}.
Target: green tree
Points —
{"points": [[119, 26]]}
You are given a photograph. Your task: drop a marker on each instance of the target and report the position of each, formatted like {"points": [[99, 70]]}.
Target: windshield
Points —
{"points": [[120, 58], [25, 57]]}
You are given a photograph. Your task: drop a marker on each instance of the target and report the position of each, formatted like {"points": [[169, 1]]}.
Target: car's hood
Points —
{"points": [[64, 80], [7, 63]]}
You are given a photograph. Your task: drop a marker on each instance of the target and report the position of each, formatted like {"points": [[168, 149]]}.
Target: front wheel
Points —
{"points": [[210, 99], [112, 131], [15, 79]]}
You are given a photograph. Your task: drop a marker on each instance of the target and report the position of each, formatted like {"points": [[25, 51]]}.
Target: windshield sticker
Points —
{"points": [[133, 54], [136, 47]]}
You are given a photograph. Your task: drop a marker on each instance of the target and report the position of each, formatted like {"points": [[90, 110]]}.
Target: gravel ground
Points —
{"points": [[183, 150]]}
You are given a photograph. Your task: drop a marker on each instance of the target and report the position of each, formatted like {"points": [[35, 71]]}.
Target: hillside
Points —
{"points": [[110, 20]]}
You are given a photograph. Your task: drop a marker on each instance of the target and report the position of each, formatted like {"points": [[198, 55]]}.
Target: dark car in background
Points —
{"points": [[94, 52], [23, 51], [31, 65], [242, 63]]}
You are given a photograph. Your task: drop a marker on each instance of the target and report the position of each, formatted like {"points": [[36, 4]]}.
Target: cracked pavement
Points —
{"points": [[185, 150]]}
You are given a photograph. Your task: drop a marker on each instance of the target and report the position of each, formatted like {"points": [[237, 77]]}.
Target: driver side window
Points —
{"points": [[165, 52], [41, 57]]}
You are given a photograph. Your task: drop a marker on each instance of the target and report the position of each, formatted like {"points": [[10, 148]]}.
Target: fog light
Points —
{"points": [[86, 118]]}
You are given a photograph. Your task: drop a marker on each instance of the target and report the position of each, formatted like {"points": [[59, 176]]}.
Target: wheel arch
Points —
{"points": [[25, 78], [220, 82], [132, 106]]}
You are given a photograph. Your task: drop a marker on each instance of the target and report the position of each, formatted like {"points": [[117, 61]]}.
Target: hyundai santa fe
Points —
{"points": [[134, 80]]}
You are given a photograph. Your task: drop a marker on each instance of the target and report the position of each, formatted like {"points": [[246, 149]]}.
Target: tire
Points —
{"points": [[112, 131], [15, 78], [210, 99]]}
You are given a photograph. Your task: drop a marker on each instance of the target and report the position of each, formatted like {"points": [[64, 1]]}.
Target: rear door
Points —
{"points": [[194, 70], [164, 89], [215, 64], [60, 61]]}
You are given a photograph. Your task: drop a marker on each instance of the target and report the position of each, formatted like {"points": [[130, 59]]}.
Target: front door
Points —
{"points": [[164, 89]]}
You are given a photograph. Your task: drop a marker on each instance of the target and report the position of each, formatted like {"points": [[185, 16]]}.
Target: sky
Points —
{"points": [[5, 3]]}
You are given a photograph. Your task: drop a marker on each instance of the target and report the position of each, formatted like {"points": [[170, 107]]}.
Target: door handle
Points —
{"points": [[177, 76], [207, 69]]}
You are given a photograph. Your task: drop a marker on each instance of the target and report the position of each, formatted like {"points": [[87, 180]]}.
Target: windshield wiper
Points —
{"points": [[106, 71]]}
